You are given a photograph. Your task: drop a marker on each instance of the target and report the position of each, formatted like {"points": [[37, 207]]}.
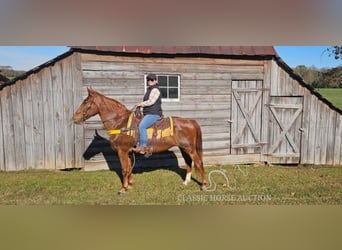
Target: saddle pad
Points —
{"points": [[164, 132], [161, 132]]}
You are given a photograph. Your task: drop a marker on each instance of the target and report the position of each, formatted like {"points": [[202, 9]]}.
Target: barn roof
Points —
{"points": [[241, 52], [3, 78], [190, 50], [248, 52]]}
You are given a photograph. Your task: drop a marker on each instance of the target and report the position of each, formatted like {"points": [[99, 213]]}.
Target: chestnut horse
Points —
{"points": [[114, 115]]}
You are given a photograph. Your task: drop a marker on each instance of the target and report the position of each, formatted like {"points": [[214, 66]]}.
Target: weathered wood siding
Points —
{"points": [[205, 92], [249, 111], [36, 128], [316, 132]]}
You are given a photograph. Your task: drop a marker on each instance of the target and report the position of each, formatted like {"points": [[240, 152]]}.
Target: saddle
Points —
{"points": [[163, 127]]}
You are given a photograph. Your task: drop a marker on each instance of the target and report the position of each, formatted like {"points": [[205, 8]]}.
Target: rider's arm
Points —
{"points": [[154, 95]]}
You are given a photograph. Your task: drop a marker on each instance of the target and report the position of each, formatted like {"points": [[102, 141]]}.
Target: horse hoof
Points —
{"points": [[204, 188], [121, 192]]}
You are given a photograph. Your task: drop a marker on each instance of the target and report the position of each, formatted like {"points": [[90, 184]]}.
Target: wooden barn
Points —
{"points": [[251, 107]]}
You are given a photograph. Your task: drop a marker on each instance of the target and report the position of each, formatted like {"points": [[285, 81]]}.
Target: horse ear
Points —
{"points": [[90, 91]]}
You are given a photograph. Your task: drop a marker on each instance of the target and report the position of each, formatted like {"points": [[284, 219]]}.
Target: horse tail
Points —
{"points": [[199, 146]]}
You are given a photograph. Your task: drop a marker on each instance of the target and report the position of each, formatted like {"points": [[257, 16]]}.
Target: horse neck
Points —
{"points": [[114, 115]]}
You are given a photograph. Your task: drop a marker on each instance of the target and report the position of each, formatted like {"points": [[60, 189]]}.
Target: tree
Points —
{"points": [[336, 51], [332, 78]]}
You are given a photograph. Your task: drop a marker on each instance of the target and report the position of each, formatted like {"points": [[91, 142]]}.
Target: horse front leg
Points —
{"points": [[126, 169]]}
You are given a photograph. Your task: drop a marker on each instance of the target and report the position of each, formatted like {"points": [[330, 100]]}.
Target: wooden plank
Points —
{"points": [[2, 145], [338, 140], [68, 89], [215, 144], [7, 123], [258, 114], [264, 110], [324, 132], [301, 90], [247, 145], [235, 117], [274, 79], [184, 75], [28, 123], [285, 156], [305, 129], [38, 125], [78, 130], [18, 126], [192, 84], [295, 87], [282, 86], [48, 119], [311, 131], [180, 60], [331, 135], [319, 133], [163, 67], [285, 105], [57, 89]]}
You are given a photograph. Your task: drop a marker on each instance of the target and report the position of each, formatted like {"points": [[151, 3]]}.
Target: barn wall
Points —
{"points": [[205, 93], [320, 133], [36, 130]]}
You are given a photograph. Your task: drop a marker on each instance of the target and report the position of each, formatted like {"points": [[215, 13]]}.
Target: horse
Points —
{"points": [[114, 115]]}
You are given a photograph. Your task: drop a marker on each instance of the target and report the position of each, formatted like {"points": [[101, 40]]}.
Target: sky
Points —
{"points": [[29, 57]]}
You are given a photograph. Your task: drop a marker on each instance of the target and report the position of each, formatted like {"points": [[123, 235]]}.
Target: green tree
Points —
{"points": [[336, 51], [332, 78]]}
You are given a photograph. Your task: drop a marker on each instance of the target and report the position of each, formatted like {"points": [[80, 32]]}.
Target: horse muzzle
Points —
{"points": [[78, 121]]}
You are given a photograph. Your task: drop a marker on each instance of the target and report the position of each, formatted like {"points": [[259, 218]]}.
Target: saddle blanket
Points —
{"points": [[162, 128]]}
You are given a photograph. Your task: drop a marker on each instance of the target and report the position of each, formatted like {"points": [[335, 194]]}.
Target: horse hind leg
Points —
{"points": [[188, 162], [199, 166]]}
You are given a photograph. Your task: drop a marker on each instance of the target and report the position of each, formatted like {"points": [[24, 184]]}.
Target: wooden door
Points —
{"points": [[285, 121], [246, 119]]}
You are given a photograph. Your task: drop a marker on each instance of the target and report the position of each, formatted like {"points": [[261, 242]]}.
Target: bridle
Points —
{"points": [[84, 114]]}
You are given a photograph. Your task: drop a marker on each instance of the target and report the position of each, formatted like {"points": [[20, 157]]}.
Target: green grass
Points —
{"points": [[246, 185], [333, 95]]}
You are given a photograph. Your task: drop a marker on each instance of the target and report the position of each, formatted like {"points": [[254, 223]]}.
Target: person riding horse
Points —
{"points": [[115, 116], [152, 111]]}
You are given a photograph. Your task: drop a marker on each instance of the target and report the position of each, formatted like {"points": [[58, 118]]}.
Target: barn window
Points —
{"points": [[169, 86]]}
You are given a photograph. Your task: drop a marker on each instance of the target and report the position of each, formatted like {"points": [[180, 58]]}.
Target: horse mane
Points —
{"points": [[113, 105]]}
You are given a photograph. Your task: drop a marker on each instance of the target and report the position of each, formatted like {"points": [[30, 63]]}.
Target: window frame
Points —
{"points": [[168, 87]]}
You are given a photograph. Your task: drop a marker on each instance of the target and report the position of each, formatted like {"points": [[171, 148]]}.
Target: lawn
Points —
{"points": [[333, 95], [229, 185]]}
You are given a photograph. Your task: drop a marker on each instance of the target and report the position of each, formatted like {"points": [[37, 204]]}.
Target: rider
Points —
{"points": [[152, 110]]}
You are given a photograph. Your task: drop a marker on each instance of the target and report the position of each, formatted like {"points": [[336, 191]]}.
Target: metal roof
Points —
{"points": [[229, 51], [209, 50]]}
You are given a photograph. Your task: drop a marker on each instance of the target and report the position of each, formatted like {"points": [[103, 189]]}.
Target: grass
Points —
{"points": [[334, 95], [234, 185]]}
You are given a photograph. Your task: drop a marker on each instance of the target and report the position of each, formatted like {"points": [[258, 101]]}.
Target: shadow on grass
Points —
{"points": [[166, 160]]}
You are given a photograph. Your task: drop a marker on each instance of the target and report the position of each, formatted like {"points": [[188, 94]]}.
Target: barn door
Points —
{"points": [[246, 120], [285, 121]]}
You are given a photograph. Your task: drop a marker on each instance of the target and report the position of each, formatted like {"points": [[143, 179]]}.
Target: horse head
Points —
{"points": [[87, 109]]}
